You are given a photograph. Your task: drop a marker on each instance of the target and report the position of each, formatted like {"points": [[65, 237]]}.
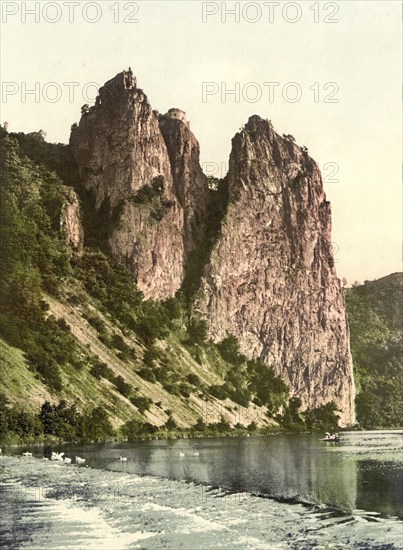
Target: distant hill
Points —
{"points": [[375, 317]]}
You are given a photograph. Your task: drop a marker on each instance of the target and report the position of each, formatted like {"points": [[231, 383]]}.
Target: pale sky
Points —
{"points": [[356, 60]]}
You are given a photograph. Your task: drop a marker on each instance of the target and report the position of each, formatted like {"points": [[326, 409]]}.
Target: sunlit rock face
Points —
{"points": [[271, 279], [71, 226]]}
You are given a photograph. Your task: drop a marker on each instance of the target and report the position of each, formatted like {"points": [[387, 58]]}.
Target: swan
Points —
{"points": [[67, 460], [26, 454], [123, 458], [56, 456], [181, 454], [80, 460], [195, 453]]}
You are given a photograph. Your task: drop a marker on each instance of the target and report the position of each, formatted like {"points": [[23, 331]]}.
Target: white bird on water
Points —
{"points": [[27, 453], [123, 458], [67, 460], [80, 460], [195, 453], [56, 456], [181, 454]]}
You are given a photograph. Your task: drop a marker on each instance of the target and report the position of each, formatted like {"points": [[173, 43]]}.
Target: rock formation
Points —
{"points": [[70, 222], [190, 184], [156, 199], [271, 279]]}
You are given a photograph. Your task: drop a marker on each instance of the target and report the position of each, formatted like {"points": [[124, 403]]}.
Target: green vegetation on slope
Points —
{"points": [[34, 260], [106, 362], [374, 313]]}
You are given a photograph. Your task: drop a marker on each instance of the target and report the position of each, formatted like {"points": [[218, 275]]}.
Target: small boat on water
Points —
{"points": [[334, 437]]}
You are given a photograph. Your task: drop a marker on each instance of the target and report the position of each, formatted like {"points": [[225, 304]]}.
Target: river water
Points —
{"points": [[274, 492]]}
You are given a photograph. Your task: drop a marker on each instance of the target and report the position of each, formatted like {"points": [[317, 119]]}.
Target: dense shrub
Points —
{"points": [[323, 418], [197, 331], [229, 349], [142, 403], [96, 322], [122, 386], [147, 374], [65, 422], [171, 424], [135, 429], [219, 391], [270, 390], [200, 425], [194, 379], [101, 370], [221, 427]]}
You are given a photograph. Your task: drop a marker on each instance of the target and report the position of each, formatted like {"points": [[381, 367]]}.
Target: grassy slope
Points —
{"points": [[35, 259], [22, 387], [18, 382]]}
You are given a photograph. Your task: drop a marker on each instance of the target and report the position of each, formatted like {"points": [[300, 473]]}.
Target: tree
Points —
{"points": [[322, 418], [229, 349], [122, 386], [170, 424], [200, 425], [97, 426]]}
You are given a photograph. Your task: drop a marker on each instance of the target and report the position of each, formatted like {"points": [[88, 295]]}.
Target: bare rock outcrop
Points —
{"points": [[71, 226], [271, 279], [190, 184], [124, 163]]}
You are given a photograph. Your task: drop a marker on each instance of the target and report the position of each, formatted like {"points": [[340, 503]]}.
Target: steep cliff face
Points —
{"points": [[124, 163], [190, 184], [271, 279]]}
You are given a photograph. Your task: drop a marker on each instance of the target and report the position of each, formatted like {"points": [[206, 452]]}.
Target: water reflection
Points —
{"points": [[363, 471]]}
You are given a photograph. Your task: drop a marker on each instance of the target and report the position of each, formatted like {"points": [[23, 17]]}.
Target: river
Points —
{"points": [[273, 492]]}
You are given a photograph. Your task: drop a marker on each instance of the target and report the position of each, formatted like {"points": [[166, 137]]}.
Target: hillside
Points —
{"points": [[140, 296], [66, 315], [375, 318]]}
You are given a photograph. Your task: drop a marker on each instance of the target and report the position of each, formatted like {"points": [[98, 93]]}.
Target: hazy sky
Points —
{"points": [[347, 72]]}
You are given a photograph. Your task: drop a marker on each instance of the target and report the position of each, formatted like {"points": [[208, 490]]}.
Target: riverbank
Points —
{"points": [[158, 435], [48, 505]]}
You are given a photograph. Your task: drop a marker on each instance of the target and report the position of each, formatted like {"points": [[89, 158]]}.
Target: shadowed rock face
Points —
{"points": [[190, 184], [271, 279]]}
